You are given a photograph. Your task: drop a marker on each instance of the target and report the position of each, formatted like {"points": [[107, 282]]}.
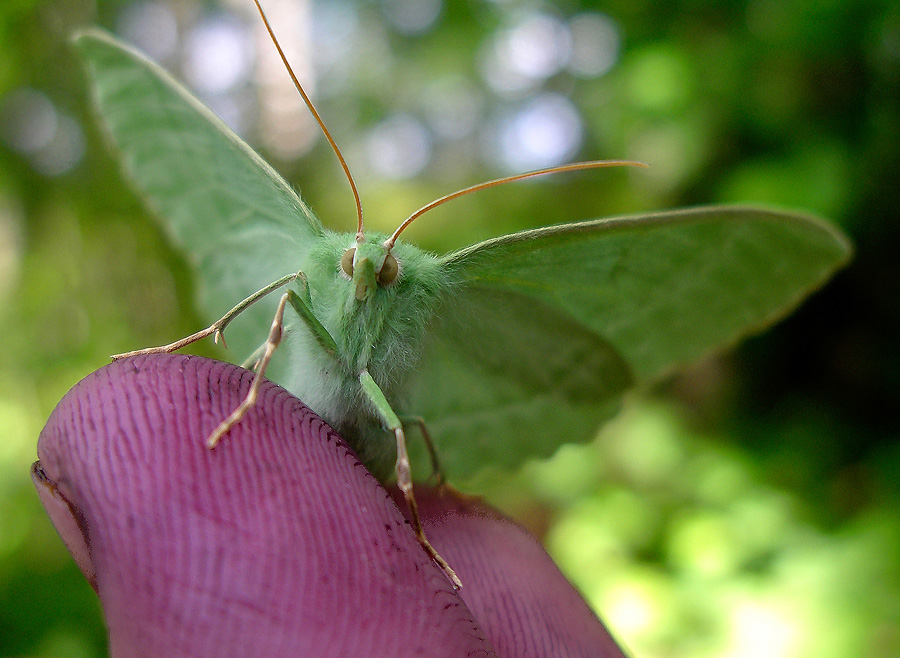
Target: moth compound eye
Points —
{"points": [[389, 271], [347, 261]]}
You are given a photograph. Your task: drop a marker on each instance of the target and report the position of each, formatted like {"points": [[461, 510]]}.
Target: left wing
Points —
{"points": [[239, 223]]}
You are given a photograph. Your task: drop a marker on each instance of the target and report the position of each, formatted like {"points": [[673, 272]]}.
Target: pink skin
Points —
{"points": [[522, 601], [278, 543]]}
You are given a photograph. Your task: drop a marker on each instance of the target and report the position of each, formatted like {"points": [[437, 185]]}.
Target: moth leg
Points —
{"points": [[252, 361], [275, 334], [404, 474], [303, 307], [217, 328], [436, 471]]}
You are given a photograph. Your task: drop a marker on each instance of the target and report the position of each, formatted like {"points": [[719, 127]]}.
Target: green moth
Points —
{"points": [[505, 349]]}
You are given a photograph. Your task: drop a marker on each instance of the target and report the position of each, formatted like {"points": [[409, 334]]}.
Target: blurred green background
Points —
{"points": [[746, 507]]}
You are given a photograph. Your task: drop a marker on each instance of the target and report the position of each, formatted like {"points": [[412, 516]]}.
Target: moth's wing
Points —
{"points": [[505, 377], [238, 222], [640, 294]]}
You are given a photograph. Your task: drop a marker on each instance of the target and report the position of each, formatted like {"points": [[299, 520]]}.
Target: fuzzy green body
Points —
{"points": [[382, 333]]}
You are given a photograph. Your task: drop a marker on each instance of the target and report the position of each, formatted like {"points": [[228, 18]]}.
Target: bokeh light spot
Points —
{"points": [[151, 27], [522, 56], [595, 44], [634, 605], [64, 151], [647, 447], [453, 107], [412, 16], [31, 125], [659, 79], [29, 120], [219, 55], [399, 147], [758, 629], [702, 544], [544, 132]]}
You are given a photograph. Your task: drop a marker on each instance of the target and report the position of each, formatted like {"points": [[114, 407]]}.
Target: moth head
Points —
{"points": [[369, 265]]}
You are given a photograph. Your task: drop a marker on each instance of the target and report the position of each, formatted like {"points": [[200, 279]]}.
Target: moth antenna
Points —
{"points": [[315, 113], [574, 166]]}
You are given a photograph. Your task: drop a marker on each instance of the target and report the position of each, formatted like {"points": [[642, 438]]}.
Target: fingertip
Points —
{"points": [[526, 606], [277, 542]]}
